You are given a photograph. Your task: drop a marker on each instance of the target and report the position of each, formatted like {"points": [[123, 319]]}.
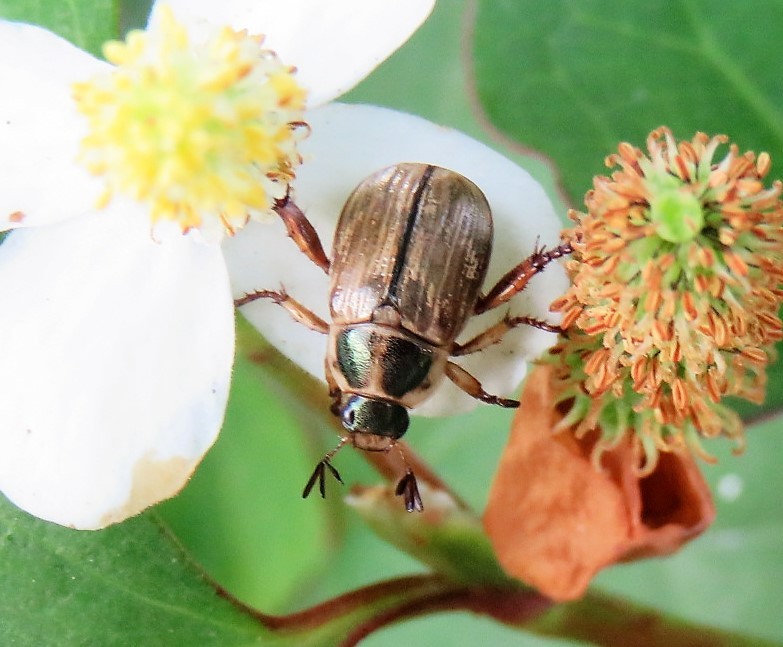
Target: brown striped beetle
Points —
{"points": [[410, 255]]}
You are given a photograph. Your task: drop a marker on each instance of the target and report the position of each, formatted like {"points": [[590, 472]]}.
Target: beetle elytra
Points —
{"points": [[409, 258]]}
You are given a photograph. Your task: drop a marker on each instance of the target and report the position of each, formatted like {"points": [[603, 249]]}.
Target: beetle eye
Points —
{"points": [[349, 415]]}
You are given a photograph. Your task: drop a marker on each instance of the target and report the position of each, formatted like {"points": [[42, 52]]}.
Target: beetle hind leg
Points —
{"points": [[517, 278], [472, 387]]}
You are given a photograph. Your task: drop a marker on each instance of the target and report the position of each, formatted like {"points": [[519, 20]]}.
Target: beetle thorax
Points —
{"points": [[383, 363]]}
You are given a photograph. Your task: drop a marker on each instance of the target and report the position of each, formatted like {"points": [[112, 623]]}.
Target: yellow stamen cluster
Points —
{"points": [[204, 132], [676, 286]]}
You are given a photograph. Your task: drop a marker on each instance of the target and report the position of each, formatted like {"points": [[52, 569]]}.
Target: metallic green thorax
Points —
{"points": [[402, 364]]}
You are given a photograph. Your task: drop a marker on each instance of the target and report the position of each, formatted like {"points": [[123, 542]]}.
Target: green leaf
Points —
{"points": [[86, 23], [242, 513], [134, 13], [573, 79], [127, 585]]}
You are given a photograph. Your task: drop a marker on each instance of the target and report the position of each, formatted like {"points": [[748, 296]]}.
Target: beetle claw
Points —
{"points": [[319, 476], [408, 489]]}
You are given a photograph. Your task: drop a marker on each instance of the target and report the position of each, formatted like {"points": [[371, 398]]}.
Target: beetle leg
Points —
{"points": [[517, 278], [301, 230], [495, 333], [334, 393], [294, 308], [472, 386], [408, 489], [319, 473]]}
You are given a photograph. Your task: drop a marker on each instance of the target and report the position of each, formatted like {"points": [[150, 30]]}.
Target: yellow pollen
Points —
{"points": [[200, 131]]}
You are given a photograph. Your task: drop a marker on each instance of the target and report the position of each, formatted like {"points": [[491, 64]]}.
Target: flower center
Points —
{"points": [[206, 133], [677, 215]]}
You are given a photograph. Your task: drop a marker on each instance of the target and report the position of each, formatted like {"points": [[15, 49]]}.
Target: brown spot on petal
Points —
{"points": [[16, 216], [153, 481], [555, 521]]}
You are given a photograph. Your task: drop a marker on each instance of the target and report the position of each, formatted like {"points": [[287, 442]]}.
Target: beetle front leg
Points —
{"points": [[472, 386], [495, 333], [294, 308], [334, 393], [319, 473], [408, 489], [517, 278], [301, 230]]}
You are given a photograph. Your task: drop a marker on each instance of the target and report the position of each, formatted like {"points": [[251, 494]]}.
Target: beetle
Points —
{"points": [[409, 258]]}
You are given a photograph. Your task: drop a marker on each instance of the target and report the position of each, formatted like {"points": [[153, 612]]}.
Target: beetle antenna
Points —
{"points": [[319, 473]]}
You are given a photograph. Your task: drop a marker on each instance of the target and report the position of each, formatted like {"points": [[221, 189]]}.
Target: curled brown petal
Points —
{"points": [[555, 521]]}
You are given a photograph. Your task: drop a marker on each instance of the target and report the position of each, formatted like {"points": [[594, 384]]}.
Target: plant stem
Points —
{"points": [[613, 622], [598, 619]]}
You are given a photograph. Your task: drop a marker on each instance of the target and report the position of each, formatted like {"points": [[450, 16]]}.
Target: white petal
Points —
{"points": [[347, 144], [117, 353], [40, 129], [333, 43]]}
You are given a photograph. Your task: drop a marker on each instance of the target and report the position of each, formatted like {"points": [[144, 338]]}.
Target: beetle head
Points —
{"points": [[374, 424]]}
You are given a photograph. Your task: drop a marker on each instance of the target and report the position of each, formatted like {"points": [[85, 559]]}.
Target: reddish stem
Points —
{"points": [[338, 607], [604, 620], [597, 619], [509, 607]]}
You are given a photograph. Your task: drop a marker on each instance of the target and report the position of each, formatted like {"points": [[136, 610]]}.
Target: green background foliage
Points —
{"points": [[569, 80], [592, 73], [86, 23]]}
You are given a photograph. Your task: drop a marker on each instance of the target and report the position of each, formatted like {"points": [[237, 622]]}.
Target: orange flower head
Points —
{"points": [[676, 285]]}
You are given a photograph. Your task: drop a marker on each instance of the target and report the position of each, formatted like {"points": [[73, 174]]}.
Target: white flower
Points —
{"points": [[118, 345]]}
